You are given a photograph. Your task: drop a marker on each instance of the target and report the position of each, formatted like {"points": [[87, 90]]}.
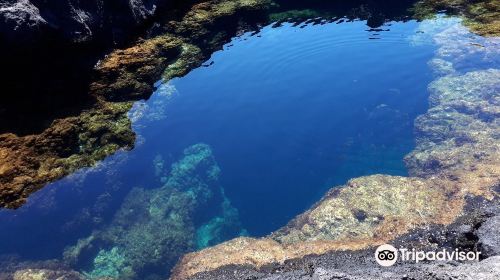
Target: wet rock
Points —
{"points": [[130, 73], [390, 205], [13, 268], [349, 263]]}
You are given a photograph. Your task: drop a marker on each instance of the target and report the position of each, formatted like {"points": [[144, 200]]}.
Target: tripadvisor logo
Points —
{"points": [[387, 255]]}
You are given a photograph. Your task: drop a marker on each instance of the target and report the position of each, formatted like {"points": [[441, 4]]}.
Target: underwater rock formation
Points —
{"points": [[44, 274], [154, 227], [14, 269]]}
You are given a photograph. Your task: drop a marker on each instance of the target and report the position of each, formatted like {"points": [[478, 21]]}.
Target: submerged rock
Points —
{"points": [[154, 227], [45, 274], [14, 269]]}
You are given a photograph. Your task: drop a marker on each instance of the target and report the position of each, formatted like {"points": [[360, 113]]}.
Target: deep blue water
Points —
{"points": [[288, 113], [293, 111]]}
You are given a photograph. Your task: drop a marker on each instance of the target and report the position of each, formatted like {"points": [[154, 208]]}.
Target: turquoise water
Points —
{"points": [[240, 146]]}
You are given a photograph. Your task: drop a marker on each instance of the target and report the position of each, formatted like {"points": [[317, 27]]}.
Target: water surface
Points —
{"points": [[295, 110]]}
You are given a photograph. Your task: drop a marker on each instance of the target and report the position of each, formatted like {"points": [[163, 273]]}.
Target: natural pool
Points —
{"points": [[243, 144]]}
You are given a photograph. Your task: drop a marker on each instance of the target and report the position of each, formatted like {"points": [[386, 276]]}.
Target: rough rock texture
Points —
{"points": [[260, 259], [350, 263], [457, 157], [131, 73], [20, 17], [353, 268], [28, 162], [489, 239], [29, 21], [13, 269]]}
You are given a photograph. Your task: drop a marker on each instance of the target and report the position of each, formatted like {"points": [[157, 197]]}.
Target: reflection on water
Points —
{"points": [[243, 145]]}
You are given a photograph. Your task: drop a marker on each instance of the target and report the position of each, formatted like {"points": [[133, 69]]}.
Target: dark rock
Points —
{"points": [[20, 20], [28, 21], [489, 239]]}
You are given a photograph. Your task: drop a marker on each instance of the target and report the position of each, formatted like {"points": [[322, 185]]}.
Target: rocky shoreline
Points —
{"points": [[473, 231]]}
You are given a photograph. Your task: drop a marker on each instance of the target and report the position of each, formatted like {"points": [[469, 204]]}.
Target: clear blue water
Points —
{"points": [[288, 113], [293, 111]]}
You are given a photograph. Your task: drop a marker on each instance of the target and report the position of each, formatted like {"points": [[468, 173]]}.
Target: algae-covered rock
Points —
{"points": [[482, 16], [154, 227], [101, 127], [461, 128], [27, 163], [373, 207], [131, 73]]}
